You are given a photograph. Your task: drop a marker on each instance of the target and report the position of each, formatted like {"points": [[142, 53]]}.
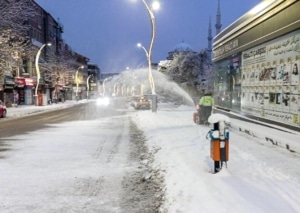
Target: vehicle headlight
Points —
{"points": [[103, 101]]}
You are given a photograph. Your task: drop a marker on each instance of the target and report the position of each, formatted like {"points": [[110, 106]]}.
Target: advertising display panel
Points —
{"points": [[270, 86]]}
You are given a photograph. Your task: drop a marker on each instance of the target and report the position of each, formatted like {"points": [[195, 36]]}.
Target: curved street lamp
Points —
{"points": [[88, 86], [142, 89], [77, 82], [149, 53], [149, 66], [116, 89], [38, 71], [146, 52], [155, 6], [148, 59], [103, 87], [123, 88]]}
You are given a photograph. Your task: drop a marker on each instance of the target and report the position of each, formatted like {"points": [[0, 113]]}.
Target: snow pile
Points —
{"points": [[253, 182], [259, 177]]}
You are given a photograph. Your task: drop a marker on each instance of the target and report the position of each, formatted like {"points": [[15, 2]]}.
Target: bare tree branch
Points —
{"points": [[14, 27]]}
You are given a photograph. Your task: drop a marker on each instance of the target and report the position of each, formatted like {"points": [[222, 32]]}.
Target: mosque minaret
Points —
{"points": [[218, 26], [209, 38], [218, 21]]}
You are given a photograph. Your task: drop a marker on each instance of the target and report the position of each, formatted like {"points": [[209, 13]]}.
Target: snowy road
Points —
{"points": [[78, 166], [143, 161]]}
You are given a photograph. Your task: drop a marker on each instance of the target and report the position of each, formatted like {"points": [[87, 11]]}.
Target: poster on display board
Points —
{"points": [[272, 98], [294, 99], [272, 68], [295, 72], [278, 92], [273, 71]]}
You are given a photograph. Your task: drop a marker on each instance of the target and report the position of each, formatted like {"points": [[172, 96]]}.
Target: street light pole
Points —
{"points": [[116, 89], [148, 59], [103, 87], [77, 83], [88, 86], [38, 71], [151, 80], [142, 89], [146, 52]]}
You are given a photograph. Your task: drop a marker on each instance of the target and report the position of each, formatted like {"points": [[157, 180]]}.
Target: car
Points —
{"points": [[103, 101], [3, 110], [142, 103]]}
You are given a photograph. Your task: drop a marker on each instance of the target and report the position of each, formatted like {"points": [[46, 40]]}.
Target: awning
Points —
{"points": [[21, 82]]}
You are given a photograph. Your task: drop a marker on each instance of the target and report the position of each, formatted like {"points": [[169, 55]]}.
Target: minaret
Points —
{"points": [[209, 38], [218, 21]]}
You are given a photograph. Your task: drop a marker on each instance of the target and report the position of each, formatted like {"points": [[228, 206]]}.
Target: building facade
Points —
{"points": [[19, 83], [256, 63]]}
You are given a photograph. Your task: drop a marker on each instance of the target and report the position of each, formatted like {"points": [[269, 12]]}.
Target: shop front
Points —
{"points": [[256, 64], [8, 91], [24, 87]]}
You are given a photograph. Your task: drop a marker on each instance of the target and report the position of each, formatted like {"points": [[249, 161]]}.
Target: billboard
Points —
{"points": [[270, 79]]}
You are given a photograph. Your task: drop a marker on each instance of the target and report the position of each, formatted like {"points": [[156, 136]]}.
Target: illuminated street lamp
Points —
{"points": [[103, 86], [146, 52], [123, 90], [155, 6], [116, 89], [38, 71], [142, 89], [77, 82], [149, 62], [88, 86]]}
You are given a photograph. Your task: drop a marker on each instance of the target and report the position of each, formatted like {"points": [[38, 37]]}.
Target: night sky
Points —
{"points": [[107, 31]]}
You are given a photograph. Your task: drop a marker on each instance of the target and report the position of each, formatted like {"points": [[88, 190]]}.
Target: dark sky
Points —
{"points": [[107, 31]]}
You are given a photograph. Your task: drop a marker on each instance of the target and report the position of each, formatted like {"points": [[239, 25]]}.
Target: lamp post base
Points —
{"points": [[36, 100], [154, 102]]}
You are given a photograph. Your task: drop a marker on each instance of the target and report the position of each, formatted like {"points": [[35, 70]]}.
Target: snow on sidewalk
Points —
{"points": [[23, 110]]}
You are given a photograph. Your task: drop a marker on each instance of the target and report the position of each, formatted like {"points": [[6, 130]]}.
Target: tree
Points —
{"points": [[191, 70], [14, 27], [206, 76], [61, 67]]}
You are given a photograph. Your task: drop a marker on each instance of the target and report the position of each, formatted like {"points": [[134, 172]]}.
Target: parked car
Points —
{"points": [[2, 110]]}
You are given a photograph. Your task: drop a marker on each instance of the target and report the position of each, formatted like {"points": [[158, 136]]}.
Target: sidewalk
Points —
{"points": [[269, 134], [22, 110], [264, 131]]}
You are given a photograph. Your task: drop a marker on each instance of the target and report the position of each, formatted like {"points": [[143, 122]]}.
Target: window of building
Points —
{"points": [[228, 83]]}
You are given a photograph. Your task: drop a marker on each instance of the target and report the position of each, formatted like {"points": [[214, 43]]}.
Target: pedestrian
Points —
{"points": [[205, 104]]}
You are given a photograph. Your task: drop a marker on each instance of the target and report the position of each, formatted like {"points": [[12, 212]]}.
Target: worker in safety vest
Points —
{"points": [[205, 103]]}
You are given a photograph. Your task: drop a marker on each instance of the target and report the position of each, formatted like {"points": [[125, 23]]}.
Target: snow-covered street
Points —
{"points": [[43, 176], [260, 177]]}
